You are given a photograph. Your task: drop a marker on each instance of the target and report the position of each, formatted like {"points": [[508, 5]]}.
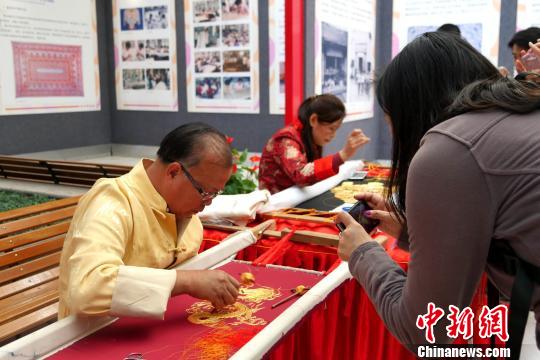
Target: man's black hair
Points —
{"points": [[523, 37], [190, 142], [450, 28]]}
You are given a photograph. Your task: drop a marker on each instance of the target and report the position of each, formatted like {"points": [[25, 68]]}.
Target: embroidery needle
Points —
{"points": [[298, 291]]}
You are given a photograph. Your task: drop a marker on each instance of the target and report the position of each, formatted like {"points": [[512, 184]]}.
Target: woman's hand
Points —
{"points": [[355, 140], [352, 237], [381, 211]]}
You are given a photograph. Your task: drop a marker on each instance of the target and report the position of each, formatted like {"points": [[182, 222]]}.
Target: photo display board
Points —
{"points": [[276, 54], [49, 59], [478, 20], [145, 55], [344, 53], [528, 14], [222, 56]]}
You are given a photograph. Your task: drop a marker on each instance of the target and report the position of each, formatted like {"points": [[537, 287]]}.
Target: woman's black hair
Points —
{"points": [[328, 108], [415, 91], [517, 96], [189, 142]]}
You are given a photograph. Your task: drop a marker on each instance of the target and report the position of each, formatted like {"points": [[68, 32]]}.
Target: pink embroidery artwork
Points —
{"points": [[47, 70]]}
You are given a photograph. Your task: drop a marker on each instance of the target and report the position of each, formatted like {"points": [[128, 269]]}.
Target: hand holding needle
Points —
{"points": [[298, 291]]}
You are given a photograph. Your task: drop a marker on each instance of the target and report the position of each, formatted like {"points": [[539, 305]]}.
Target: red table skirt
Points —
{"points": [[345, 325]]}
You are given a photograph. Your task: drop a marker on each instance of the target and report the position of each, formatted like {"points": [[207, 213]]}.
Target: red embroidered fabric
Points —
{"points": [[345, 325], [177, 338]]}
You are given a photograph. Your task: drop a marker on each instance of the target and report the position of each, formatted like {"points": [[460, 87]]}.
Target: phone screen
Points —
{"points": [[357, 212]]}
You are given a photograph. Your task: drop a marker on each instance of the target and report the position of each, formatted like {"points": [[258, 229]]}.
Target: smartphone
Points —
{"points": [[357, 212], [531, 61], [358, 175]]}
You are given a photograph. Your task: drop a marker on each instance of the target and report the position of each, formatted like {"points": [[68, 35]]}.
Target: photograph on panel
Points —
{"points": [[470, 32], [155, 17], [133, 79], [235, 9], [360, 66], [334, 61], [133, 50], [237, 88], [236, 61], [158, 79], [157, 49], [206, 37], [235, 35], [131, 19], [208, 88], [206, 11], [208, 62]]}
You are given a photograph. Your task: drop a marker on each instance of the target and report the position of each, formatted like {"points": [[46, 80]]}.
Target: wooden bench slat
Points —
{"points": [[35, 209], [26, 175], [30, 321], [9, 160], [28, 282], [37, 220], [19, 271], [76, 165], [76, 182], [30, 179], [26, 238], [19, 255], [84, 164], [79, 174], [28, 301], [25, 169]]}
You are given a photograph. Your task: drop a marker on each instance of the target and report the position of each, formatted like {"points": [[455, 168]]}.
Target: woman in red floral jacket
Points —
{"points": [[293, 156]]}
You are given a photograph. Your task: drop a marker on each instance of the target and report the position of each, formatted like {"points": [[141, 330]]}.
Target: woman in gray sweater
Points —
{"points": [[466, 177]]}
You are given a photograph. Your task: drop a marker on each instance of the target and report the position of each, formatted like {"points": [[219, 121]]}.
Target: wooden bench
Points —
{"points": [[31, 242], [57, 172]]}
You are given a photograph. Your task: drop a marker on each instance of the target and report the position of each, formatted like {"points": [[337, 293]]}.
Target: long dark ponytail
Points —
{"points": [[415, 91], [504, 93]]}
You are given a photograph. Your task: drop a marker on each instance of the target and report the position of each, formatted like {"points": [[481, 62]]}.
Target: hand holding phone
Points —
{"points": [[530, 61], [357, 212]]}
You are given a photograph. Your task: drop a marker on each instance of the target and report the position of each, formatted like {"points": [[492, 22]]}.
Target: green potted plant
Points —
{"points": [[244, 178]]}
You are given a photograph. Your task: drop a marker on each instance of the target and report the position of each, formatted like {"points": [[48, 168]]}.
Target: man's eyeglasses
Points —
{"points": [[205, 196]]}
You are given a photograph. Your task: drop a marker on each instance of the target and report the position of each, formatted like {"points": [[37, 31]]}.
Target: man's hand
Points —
{"points": [[216, 286], [381, 211], [355, 140], [352, 237], [520, 64]]}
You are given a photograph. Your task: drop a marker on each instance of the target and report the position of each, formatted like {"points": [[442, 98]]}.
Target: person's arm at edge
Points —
{"points": [[295, 165]]}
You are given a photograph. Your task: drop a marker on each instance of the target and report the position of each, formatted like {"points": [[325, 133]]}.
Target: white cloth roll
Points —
{"points": [[295, 195], [237, 209]]}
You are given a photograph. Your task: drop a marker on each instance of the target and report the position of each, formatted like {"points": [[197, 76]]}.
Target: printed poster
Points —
{"points": [[276, 51], [49, 59], [528, 14], [344, 53], [222, 56], [145, 55], [478, 21]]}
